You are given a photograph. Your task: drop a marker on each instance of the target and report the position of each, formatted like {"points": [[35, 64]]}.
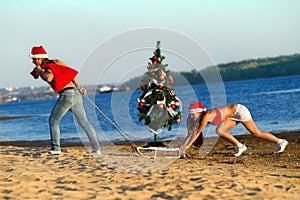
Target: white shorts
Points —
{"points": [[241, 114]]}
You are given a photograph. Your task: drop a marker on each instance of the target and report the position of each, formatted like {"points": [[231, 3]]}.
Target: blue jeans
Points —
{"points": [[70, 100]]}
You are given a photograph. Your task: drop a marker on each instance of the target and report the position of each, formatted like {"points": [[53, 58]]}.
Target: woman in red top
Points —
{"points": [[224, 118], [63, 80]]}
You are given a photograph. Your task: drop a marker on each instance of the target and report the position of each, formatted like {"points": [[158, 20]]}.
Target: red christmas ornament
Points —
{"points": [[171, 81], [173, 106], [160, 86], [154, 60], [178, 121], [161, 106], [141, 104]]}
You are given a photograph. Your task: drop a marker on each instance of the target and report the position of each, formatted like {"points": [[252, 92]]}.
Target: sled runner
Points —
{"points": [[154, 152]]}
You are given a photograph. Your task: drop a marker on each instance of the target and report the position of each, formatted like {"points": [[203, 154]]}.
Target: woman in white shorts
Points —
{"points": [[224, 118]]}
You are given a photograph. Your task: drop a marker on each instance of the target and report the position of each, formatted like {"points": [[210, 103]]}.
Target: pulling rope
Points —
{"points": [[122, 133]]}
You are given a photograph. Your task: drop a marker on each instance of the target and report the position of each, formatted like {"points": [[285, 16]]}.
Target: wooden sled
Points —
{"points": [[157, 149], [153, 152]]}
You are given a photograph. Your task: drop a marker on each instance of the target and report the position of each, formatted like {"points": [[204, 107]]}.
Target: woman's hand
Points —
{"points": [[38, 68], [82, 90], [182, 151]]}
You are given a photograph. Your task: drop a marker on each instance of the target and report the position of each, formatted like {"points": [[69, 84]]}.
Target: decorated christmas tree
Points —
{"points": [[158, 105]]}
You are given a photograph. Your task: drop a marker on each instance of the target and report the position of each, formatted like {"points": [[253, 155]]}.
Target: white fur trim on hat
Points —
{"points": [[38, 56], [197, 110]]}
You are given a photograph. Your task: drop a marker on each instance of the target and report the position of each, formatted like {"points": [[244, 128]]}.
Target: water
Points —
{"points": [[273, 102]]}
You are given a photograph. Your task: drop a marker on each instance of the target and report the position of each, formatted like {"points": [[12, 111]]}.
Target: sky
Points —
{"points": [[228, 30]]}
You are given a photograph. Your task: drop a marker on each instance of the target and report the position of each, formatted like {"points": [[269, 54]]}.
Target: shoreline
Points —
{"points": [[67, 142]]}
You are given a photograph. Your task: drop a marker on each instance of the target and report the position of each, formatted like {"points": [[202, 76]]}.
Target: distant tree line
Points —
{"points": [[261, 68], [247, 69]]}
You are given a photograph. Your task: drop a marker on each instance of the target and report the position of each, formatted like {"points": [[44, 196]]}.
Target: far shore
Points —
{"points": [[14, 117]]}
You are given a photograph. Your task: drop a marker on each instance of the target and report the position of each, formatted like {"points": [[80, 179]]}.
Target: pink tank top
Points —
{"points": [[218, 118]]}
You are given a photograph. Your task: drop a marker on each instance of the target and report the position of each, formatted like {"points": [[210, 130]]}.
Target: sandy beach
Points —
{"points": [[27, 173]]}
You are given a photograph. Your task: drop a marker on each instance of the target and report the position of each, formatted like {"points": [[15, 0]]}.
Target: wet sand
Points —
{"points": [[27, 173]]}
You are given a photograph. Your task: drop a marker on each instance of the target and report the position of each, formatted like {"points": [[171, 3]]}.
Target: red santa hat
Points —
{"points": [[38, 52], [196, 107]]}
